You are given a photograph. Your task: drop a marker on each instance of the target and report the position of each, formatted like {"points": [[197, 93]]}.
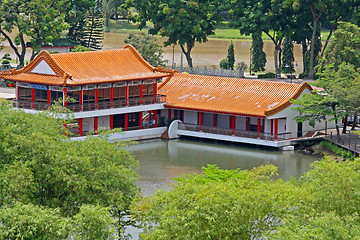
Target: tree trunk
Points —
{"points": [[334, 27], [354, 121], [276, 60], [189, 46], [345, 124], [333, 108], [316, 19]]}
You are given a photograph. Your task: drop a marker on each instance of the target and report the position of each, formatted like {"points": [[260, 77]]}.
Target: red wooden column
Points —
{"points": [[169, 114], [65, 96], [175, 113], [263, 125], [272, 126], [111, 97], [96, 98], [126, 95], [111, 122], [214, 120], [141, 120], [276, 127], [232, 124], [200, 119], [141, 93], [81, 99], [155, 118], [33, 98], [155, 90], [80, 122], [258, 126], [126, 121], [17, 91], [48, 97], [247, 123], [96, 125]]}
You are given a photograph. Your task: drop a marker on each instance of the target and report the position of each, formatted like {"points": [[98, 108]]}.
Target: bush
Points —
{"points": [[267, 75], [303, 75], [224, 64], [241, 66], [337, 150]]}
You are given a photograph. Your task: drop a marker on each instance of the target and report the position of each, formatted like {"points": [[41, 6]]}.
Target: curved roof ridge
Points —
{"points": [[137, 55], [287, 103]]}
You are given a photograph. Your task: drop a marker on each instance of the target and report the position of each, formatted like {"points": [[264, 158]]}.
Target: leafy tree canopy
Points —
{"points": [[181, 22]]}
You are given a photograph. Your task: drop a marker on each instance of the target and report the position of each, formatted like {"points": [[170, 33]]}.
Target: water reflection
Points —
{"points": [[161, 161]]}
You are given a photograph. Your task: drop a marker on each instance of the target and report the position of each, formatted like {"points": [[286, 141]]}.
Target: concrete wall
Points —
{"points": [[88, 124], [104, 123]]}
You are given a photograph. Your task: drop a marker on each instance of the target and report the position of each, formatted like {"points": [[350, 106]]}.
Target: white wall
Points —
{"points": [[190, 117], [222, 121]]}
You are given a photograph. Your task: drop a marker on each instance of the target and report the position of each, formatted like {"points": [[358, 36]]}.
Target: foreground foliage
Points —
{"points": [[234, 204], [43, 168]]}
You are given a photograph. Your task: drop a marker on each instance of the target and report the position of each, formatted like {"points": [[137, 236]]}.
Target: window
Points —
{"points": [[89, 96], [133, 119], [55, 96], [25, 94], [104, 94], [74, 97], [134, 91], [148, 90], [40, 95], [119, 93]]}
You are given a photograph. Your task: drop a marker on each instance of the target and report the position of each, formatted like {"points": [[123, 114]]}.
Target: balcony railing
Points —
{"points": [[93, 105], [236, 133]]}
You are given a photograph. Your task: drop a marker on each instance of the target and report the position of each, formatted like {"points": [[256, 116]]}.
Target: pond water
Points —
{"points": [[162, 160]]}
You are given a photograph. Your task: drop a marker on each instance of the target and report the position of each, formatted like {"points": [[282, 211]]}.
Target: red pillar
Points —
{"points": [[33, 97], [17, 91], [96, 98], [126, 121], [96, 124], [155, 118], [200, 119], [263, 125], [272, 126], [276, 127], [126, 95], [111, 97], [247, 123], [232, 124], [214, 120], [48, 97], [141, 120], [175, 113], [81, 99], [141, 93], [80, 121], [169, 114], [258, 127], [111, 122], [65, 96], [155, 90]]}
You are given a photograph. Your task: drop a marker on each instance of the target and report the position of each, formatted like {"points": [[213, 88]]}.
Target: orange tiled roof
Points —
{"points": [[80, 68], [229, 95]]}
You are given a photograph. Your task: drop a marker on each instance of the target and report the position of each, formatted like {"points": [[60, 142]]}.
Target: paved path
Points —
{"points": [[349, 141], [7, 92]]}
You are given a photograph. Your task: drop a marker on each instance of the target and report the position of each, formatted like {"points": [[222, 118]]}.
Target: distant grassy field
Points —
{"points": [[2, 100], [223, 30]]}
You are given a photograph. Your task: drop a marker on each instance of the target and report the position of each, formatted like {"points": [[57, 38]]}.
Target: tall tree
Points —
{"points": [[182, 22], [231, 56], [288, 56], [93, 30], [274, 18], [40, 20], [108, 7], [258, 59]]}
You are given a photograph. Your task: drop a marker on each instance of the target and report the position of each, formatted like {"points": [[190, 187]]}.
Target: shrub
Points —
{"points": [[337, 150], [224, 64], [267, 75]]}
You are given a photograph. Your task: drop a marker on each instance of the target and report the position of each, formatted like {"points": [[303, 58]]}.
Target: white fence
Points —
{"points": [[211, 71]]}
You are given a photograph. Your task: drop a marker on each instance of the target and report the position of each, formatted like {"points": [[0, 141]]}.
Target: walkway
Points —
{"points": [[7, 92], [349, 141]]}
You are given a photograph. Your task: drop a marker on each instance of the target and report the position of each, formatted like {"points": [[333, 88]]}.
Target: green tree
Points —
{"points": [[274, 18], [181, 22], [40, 20], [47, 169], [288, 56], [108, 7], [5, 63], [258, 59], [148, 47], [231, 56], [92, 32], [32, 222]]}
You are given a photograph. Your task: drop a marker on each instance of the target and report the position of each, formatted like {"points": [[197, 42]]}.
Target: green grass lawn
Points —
{"points": [[223, 30], [2, 100]]}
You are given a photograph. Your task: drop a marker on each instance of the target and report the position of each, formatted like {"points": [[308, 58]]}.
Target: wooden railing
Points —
{"points": [[93, 105]]}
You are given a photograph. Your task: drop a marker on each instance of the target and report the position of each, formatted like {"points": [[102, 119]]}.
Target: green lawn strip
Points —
{"points": [[223, 30], [2, 99]]}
